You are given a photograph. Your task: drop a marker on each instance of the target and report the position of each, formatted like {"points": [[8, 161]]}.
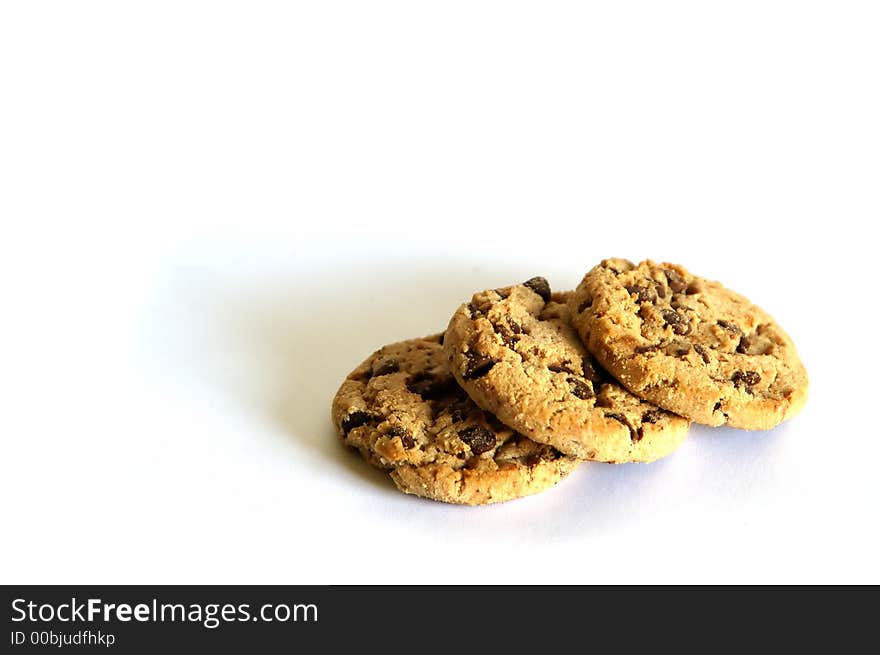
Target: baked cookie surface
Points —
{"points": [[403, 411], [688, 344], [517, 355]]}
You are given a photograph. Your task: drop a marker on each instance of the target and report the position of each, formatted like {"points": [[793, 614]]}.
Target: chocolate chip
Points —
{"points": [[744, 345], [540, 286], [479, 306], [504, 292], [478, 438], [661, 290], [477, 366], [676, 282], [633, 435], [507, 337], [643, 293], [693, 288], [730, 327], [509, 331], [745, 379], [580, 389], [682, 351], [405, 437], [676, 321], [427, 386], [717, 407], [703, 353], [652, 416], [386, 367], [646, 349], [356, 419], [585, 304]]}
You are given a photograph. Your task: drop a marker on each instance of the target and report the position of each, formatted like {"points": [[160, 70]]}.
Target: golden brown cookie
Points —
{"points": [[517, 355], [403, 411], [689, 345]]}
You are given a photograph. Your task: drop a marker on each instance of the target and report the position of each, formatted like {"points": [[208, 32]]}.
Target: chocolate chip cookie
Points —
{"points": [[403, 411], [517, 355], [689, 344]]}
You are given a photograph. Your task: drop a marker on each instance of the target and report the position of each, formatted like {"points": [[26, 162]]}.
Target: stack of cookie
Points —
{"points": [[525, 383]]}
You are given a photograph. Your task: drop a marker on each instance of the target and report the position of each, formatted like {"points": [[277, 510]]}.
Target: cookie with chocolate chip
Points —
{"points": [[403, 411], [517, 355], [688, 344]]}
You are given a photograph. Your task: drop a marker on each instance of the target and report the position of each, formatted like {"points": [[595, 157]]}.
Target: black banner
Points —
{"points": [[145, 619]]}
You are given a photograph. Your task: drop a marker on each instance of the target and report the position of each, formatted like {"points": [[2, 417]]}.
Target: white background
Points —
{"points": [[211, 212]]}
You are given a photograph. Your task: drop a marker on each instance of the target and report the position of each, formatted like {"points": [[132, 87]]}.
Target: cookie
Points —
{"points": [[517, 355], [689, 344], [402, 410]]}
